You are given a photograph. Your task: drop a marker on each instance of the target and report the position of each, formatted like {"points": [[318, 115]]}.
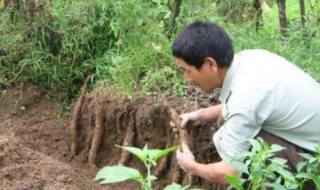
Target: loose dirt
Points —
{"points": [[35, 139]]}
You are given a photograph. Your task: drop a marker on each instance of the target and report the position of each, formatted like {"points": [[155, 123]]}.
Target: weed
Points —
{"points": [[264, 171], [123, 44], [119, 173]]}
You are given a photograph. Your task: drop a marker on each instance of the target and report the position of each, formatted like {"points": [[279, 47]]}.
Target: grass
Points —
{"points": [[123, 44]]}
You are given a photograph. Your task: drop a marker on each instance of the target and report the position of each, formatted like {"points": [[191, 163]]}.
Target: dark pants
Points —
{"points": [[290, 153]]}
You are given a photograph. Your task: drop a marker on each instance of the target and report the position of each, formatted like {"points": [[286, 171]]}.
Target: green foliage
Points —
{"points": [[310, 169], [148, 156], [53, 48], [124, 44], [302, 44], [114, 174], [263, 170], [116, 41], [236, 11], [143, 48], [175, 186]]}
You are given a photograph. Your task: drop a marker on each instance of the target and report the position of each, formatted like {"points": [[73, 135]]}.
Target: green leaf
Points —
{"points": [[304, 175], [256, 146], [151, 153], [279, 161], [114, 174], [151, 177], [175, 186], [278, 180], [244, 155], [275, 185], [316, 180], [235, 181], [141, 154], [243, 168], [306, 156], [300, 166], [292, 184], [312, 167], [285, 174], [156, 154], [145, 150], [276, 148]]}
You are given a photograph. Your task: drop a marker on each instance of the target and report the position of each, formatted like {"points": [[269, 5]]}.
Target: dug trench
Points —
{"points": [[44, 150]]}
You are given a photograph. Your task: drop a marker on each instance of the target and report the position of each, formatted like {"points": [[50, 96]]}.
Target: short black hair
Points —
{"points": [[203, 39]]}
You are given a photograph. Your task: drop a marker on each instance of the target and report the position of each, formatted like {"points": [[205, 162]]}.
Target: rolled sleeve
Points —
{"points": [[232, 138]]}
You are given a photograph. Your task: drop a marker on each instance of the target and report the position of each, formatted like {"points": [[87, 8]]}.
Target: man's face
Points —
{"points": [[206, 77]]}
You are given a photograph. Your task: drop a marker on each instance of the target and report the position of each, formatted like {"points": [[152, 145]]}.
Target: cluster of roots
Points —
{"points": [[100, 121]]}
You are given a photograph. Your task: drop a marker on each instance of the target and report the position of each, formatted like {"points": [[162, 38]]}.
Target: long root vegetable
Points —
{"points": [[98, 132], [75, 117], [163, 162], [128, 140]]}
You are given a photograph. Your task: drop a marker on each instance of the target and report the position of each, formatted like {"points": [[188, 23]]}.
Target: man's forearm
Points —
{"points": [[210, 113], [215, 172]]}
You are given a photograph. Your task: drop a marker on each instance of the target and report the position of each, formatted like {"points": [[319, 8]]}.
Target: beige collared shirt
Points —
{"points": [[265, 91]]}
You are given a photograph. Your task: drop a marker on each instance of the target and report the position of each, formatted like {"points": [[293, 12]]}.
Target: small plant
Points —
{"points": [[262, 170], [119, 173], [310, 169]]}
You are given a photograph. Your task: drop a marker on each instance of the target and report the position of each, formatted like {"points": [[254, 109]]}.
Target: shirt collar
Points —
{"points": [[226, 86]]}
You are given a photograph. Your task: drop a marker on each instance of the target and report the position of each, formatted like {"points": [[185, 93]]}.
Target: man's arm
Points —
{"points": [[208, 114], [214, 172]]}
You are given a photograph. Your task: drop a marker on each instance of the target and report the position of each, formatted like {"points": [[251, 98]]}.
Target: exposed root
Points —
{"points": [[105, 123], [118, 123], [119, 115], [183, 138], [98, 132], [75, 117], [163, 162], [183, 133], [177, 175], [128, 139]]}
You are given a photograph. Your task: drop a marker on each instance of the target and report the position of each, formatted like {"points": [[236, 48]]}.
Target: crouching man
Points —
{"points": [[262, 94]]}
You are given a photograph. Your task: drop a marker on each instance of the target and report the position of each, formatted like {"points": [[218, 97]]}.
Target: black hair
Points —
{"points": [[203, 39]]}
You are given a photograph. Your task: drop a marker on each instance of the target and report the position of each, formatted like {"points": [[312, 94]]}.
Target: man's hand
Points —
{"points": [[185, 158], [189, 118]]}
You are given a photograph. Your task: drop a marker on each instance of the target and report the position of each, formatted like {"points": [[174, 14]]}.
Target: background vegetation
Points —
{"points": [[127, 44]]}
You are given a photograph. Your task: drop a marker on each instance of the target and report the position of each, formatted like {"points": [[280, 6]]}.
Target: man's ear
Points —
{"points": [[211, 63]]}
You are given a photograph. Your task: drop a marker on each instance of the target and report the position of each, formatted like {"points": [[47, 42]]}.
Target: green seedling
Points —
{"points": [[264, 171], [119, 173], [310, 168]]}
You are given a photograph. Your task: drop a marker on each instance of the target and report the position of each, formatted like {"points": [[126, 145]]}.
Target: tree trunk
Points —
{"points": [[305, 36], [174, 15], [302, 13], [282, 18], [258, 15], [20, 6]]}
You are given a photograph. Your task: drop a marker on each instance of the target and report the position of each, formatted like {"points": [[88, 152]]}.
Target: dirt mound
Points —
{"points": [[34, 144], [25, 168], [35, 140]]}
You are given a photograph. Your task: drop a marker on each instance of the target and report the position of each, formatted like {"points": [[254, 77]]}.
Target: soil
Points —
{"points": [[35, 139]]}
